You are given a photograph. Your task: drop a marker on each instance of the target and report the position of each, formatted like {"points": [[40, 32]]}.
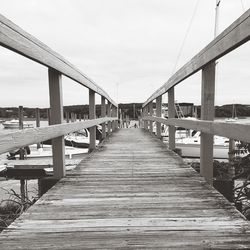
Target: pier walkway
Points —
{"points": [[131, 193]]}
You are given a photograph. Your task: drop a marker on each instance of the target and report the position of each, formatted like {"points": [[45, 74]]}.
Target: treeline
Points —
{"points": [[133, 110], [227, 110]]}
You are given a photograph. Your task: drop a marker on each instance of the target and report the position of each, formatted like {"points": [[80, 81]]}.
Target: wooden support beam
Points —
{"points": [[20, 116], [56, 105], [49, 116], [67, 117], [92, 115], [207, 113], [103, 114], [171, 114], [151, 114], [113, 115], [146, 114], [158, 114], [38, 123], [117, 116], [109, 115]]}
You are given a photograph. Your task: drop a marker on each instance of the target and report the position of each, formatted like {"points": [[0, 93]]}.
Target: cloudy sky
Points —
{"points": [[129, 47]]}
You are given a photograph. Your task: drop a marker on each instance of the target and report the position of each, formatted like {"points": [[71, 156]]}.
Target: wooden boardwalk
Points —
{"points": [[132, 193]]}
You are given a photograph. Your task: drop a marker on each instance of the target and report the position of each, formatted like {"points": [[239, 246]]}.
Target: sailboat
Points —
{"points": [[234, 117]]}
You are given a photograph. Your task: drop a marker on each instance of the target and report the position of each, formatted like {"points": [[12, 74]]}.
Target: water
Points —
{"points": [[6, 185]]}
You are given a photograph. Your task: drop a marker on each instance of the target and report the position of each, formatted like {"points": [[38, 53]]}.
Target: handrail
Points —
{"points": [[16, 39], [234, 131], [22, 138], [235, 35]]}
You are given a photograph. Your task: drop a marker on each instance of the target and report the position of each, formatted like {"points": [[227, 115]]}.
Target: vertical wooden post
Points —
{"points": [[146, 114], [103, 114], [67, 117], [92, 115], [109, 115], [22, 190], [21, 154], [56, 104], [117, 116], [20, 115], [231, 148], [151, 114], [171, 114], [49, 116], [38, 124], [231, 157], [121, 118], [143, 115], [158, 114], [113, 115], [72, 117], [207, 113]]}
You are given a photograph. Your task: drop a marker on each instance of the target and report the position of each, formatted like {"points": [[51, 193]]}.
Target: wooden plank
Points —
{"points": [[107, 203], [92, 115], [231, 38], [207, 113], [235, 131], [16, 39], [56, 107], [171, 114]]}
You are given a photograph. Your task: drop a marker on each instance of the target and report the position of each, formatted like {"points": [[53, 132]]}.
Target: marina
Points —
{"points": [[91, 172]]}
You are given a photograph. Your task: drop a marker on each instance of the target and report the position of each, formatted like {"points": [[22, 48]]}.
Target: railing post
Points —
{"points": [[147, 122], [143, 116], [207, 113], [103, 114], [109, 115], [158, 114], [151, 114], [92, 115], [38, 124], [56, 105], [171, 114], [113, 115], [117, 116]]}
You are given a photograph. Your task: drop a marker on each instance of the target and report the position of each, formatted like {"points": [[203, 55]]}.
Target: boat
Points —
{"points": [[190, 146], [234, 117], [14, 124], [45, 151], [80, 139]]}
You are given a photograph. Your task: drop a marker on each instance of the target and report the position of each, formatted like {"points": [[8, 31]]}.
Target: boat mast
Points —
{"points": [[216, 26]]}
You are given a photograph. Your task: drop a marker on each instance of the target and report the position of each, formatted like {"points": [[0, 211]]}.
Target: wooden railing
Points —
{"points": [[234, 36], [14, 38]]}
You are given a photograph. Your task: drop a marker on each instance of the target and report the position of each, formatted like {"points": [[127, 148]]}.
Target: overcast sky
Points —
{"points": [[128, 47]]}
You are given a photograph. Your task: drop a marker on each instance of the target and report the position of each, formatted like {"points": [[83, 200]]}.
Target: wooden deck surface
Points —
{"points": [[131, 194]]}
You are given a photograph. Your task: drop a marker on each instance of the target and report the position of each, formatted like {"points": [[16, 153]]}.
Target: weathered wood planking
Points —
{"points": [[132, 193], [235, 35], [16, 39], [235, 131], [30, 136]]}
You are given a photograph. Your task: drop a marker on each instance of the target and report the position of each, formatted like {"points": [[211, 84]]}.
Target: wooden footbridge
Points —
{"points": [[130, 192]]}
